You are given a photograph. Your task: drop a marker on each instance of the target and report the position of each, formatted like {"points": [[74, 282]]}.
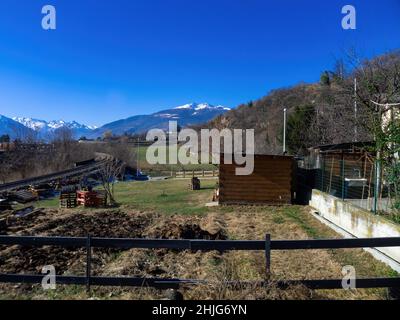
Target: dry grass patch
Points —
{"points": [[247, 223]]}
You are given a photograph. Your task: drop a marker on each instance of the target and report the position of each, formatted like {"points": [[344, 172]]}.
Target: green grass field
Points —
{"points": [[149, 168], [170, 196]]}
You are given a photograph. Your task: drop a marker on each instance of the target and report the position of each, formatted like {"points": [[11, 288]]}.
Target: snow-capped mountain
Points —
{"points": [[201, 106], [71, 125], [185, 115], [45, 129], [14, 129], [30, 123]]}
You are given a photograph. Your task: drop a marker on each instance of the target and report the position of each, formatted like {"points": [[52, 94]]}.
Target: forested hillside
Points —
{"points": [[324, 112]]}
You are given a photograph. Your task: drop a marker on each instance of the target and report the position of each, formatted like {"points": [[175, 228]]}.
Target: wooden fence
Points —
{"points": [[266, 245], [196, 173]]}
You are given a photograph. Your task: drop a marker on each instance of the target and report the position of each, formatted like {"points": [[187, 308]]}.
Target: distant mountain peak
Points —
{"points": [[201, 106], [37, 124], [31, 123], [13, 128], [44, 128], [186, 115], [185, 106]]}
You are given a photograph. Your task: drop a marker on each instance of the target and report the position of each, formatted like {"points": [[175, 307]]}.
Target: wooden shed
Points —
{"points": [[271, 183]]}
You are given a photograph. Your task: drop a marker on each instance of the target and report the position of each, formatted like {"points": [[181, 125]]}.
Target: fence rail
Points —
{"points": [[200, 245], [159, 283], [196, 173], [266, 245]]}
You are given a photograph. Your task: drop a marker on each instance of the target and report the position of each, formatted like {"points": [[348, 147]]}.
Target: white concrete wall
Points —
{"points": [[356, 221]]}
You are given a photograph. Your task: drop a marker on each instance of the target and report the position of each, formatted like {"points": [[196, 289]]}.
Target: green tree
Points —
{"points": [[299, 129], [325, 79], [5, 138]]}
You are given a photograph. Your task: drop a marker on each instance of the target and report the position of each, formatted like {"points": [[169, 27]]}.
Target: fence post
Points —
{"points": [[268, 255], [88, 262], [376, 184], [343, 178], [323, 175]]}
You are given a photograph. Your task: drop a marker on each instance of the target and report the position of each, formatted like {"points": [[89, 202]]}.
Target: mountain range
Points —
{"points": [[185, 115], [14, 129], [45, 129]]}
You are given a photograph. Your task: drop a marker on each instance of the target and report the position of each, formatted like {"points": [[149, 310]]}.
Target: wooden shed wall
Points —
{"points": [[271, 182]]}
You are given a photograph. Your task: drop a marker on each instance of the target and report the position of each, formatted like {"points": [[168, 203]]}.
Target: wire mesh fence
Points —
{"points": [[358, 179]]}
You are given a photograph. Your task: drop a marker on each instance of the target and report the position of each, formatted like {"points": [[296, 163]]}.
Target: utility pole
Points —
{"points": [[355, 111], [284, 130], [138, 173]]}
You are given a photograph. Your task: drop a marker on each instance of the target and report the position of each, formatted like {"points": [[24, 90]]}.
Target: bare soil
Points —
{"points": [[225, 223]]}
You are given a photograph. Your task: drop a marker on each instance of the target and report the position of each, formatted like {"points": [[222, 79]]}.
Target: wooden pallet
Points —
{"points": [[91, 199], [68, 200]]}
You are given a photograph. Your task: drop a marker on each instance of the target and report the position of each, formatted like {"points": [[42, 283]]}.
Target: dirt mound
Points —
{"points": [[101, 223], [214, 226], [114, 224], [98, 224], [178, 227], [32, 260]]}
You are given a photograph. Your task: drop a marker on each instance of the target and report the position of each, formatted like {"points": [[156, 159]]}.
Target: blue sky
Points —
{"points": [[113, 59]]}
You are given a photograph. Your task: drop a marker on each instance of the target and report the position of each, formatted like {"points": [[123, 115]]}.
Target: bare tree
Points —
{"points": [[107, 135], [25, 135], [109, 174], [378, 83], [4, 169], [63, 135]]}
